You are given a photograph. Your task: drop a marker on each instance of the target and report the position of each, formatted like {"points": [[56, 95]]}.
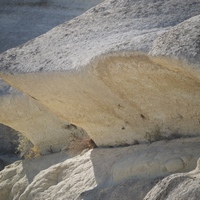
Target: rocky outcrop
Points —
{"points": [[182, 41], [46, 131], [178, 186], [107, 173], [88, 73], [122, 97]]}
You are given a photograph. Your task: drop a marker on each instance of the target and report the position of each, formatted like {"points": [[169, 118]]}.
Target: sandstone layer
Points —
{"points": [[128, 74], [86, 71], [45, 130]]}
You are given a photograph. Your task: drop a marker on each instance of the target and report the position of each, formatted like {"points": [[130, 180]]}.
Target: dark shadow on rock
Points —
{"points": [[132, 188], [124, 190], [2, 164], [34, 166], [131, 172]]}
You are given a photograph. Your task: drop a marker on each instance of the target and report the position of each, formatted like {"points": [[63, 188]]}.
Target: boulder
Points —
{"points": [[88, 72], [45, 130], [177, 186], [182, 41], [102, 173]]}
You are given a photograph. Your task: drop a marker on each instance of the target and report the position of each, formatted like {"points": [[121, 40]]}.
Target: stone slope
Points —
{"points": [[112, 26], [87, 72], [45, 130], [177, 186], [182, 41], [107, 173], [117, 98]]}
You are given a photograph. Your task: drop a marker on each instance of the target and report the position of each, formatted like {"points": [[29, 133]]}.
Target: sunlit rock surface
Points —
{"points": [[46, 131], [107, 173], [128, 73], [178, 186], [21, 21], [85, 71], [181, 41]]}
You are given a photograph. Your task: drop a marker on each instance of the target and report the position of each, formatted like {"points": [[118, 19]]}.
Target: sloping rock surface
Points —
{"points": [[108, 174], [46, 131], [178, 186], [87, 72], [182, 41], [120, 25], [119, 97]]}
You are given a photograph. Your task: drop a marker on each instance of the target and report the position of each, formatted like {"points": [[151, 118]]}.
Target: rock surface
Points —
{"points": [[112, 26], [121, 97], [87, 73], [182, 40], [113, 173], [46, 131], [178, 186]]}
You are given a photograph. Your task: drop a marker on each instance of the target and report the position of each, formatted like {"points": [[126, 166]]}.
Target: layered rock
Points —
{"points": [[114, 173], [22, 20], [117, 98], [178, 186], [88, 72], [46, 131]]}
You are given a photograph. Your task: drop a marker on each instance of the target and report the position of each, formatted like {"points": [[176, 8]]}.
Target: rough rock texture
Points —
{"points": [[117, 98], [107, 174], [182, 40], [178, 186], [44, 129], [111, 26], [87, 72]]}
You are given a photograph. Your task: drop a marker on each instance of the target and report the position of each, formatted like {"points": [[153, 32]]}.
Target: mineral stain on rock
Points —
{"points": [[122, 73]]}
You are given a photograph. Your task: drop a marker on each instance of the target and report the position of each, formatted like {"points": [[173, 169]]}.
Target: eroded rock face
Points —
{"points": [[46, 131], [107, 173], [182, 41], [87, 72], [117, 98], [177, 186]]}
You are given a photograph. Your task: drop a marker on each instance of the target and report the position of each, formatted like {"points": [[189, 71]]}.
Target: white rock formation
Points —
{"points": [[178, 186], [88, 72], [113, 173], [46, 131], [182, 40], [116, 98]]}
